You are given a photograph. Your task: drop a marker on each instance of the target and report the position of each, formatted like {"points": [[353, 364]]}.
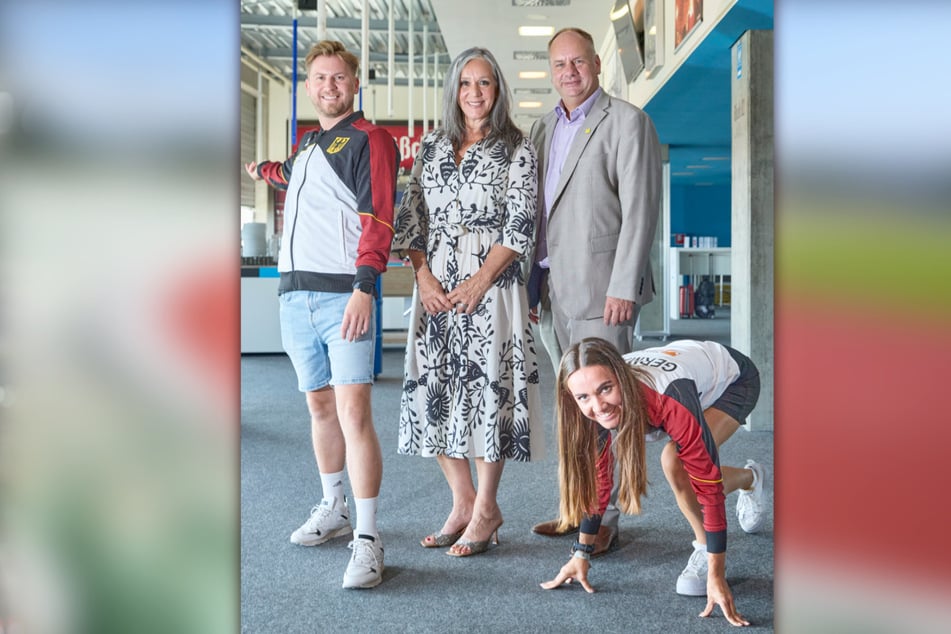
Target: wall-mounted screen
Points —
{"points": [[630, 42]]}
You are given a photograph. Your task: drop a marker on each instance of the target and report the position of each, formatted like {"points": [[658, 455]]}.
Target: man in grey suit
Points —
{"points": [[600, 187]]}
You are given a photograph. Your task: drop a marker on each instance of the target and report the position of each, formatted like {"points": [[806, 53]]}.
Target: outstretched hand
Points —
{"points": [[252, 170], [575, 570], [718, 593]]}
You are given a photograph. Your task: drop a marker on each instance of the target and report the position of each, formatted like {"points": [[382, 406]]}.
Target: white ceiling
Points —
{"points": [[454, 25], [493, 24], [267, 32], [691, 109]]}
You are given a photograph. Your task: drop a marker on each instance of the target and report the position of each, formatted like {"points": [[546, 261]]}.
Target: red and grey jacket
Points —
{"points": [[338, 213]]}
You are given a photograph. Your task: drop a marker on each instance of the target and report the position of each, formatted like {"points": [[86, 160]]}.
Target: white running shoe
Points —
{"points": [[327, 520], [365, 569], [751, 505], [692, 582]]}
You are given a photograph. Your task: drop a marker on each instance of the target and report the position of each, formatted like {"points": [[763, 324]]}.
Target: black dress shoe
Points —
{"points": [[550, 529]]}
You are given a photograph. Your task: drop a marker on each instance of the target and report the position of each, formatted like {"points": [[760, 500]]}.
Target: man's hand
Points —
{"points": [[252, 170], [356, 316], [617, 311]]}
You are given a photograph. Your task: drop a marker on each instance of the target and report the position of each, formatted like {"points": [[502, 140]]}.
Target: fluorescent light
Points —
{"points": [[536, 31], [715, 158], [532, 74], [698, 167], [530, 56], [529, 104]]}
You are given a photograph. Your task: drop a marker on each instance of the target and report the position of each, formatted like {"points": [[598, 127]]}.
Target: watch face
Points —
{"points": [[365, 287]]}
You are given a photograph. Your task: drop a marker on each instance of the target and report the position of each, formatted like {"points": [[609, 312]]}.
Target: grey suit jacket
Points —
{"points": [[605, 208]]}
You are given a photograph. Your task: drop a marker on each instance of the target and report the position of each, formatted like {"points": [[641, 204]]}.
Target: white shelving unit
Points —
{"points": [[696, 263]]}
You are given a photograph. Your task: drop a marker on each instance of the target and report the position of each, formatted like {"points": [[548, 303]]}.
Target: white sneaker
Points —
{"points": [[327, 520], [751, 505], [692, 582], [365, 569]]}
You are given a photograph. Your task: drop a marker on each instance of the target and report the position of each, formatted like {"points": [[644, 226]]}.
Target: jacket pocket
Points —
{"points": [[602, 244]]}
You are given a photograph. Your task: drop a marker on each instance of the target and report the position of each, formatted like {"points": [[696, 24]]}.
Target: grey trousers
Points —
{"points": [[557, 332]]}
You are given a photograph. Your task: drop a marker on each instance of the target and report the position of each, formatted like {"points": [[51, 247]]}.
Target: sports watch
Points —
{"points": [[364, 287]]}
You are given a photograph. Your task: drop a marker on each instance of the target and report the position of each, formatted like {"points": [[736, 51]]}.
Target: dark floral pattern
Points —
{"points": [[471, 381]]}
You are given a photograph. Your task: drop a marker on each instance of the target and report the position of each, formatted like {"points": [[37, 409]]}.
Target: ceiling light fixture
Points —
{"points": [[530, 56], [529, 104], [536, 31], [715, 158], [541, 3], [699, 167], [532, 74]]}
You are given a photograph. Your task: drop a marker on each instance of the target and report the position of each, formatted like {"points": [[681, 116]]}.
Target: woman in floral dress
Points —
{"points": [[466, 223]]}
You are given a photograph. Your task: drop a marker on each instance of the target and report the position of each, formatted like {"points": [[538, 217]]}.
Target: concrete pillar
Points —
{"points": [[751, 304]]}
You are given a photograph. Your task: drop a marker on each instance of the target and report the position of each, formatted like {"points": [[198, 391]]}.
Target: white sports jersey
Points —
{"points": [[706, 363]]}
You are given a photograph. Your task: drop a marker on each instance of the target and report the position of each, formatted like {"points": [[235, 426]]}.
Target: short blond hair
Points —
{"points": [[333, 47]]}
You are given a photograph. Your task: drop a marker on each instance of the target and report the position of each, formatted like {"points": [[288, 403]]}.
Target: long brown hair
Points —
{"points": [[578, 436]]}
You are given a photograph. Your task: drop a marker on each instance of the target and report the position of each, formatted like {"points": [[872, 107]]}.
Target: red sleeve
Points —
{"points": [[273, 174], [679, 414], [381, 162], [605, 466], [277, 174]]}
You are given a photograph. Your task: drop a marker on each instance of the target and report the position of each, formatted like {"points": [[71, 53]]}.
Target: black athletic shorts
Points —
{"points": [[740, 397]]}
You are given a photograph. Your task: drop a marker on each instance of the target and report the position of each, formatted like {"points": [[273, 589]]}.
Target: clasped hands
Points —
{"points": [[464, 299]]}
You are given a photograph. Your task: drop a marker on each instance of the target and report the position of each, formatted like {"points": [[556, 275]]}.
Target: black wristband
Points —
{"points": [[585, 548]]}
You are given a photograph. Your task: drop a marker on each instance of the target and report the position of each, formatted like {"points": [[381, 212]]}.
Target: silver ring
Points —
{"points": [[462, 306]]}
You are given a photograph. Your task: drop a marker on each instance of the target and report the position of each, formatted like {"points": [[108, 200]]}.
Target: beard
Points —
{"points": [[334, 109]]}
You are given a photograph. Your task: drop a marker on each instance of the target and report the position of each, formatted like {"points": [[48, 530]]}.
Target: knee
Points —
{"points": [[673, 466], [321, 406], [355, 416]]}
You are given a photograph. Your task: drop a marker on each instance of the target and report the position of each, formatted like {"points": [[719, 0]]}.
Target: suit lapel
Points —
{"points": [[578, 144]]}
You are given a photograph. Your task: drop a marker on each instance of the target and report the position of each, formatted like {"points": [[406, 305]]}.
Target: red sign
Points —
{"points": [[407, 145]]}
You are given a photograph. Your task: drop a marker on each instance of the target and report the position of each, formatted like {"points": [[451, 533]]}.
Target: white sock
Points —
{"points": [[332, 484], [698, 546], [366, 516]]}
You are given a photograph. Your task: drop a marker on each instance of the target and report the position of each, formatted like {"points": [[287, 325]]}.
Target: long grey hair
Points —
{"points": [[499, 128]]}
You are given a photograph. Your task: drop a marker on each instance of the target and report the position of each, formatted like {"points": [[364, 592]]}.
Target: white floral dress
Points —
{"points": [[471, 381]]}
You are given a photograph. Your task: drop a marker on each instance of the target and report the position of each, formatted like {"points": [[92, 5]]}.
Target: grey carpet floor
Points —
{"points": [[287, 588]]}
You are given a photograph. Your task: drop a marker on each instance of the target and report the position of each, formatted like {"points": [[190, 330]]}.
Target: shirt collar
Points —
{"points": [[585, 106]]}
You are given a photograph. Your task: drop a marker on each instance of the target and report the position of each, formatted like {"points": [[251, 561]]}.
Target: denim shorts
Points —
{"points": [[740, 397], [310, 333]]}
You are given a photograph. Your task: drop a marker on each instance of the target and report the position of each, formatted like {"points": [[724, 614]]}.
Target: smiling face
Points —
{"points": [[574, 68], [477, 91], [597, 393], [331, 86]]}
